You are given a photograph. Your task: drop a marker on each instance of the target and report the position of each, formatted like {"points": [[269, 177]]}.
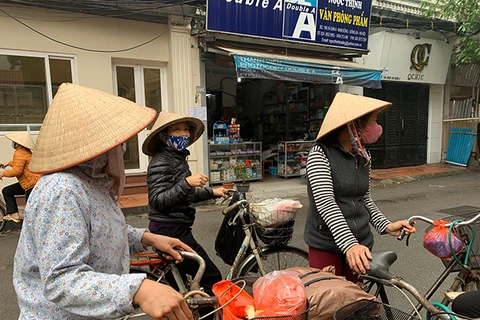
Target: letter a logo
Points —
{"points": [[300, 19]]}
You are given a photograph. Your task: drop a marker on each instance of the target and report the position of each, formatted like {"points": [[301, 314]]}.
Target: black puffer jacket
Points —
{"points": [[169, 194]]}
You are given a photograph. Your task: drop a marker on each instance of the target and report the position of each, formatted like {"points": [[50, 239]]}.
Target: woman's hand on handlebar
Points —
{"points": [[395, 228], [357, 258], [166, 244], [161, 302], [219, 192]]}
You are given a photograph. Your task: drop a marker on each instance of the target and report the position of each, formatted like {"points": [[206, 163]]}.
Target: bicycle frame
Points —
{"points": [[423, 300], [247, 242], [193, 295]]}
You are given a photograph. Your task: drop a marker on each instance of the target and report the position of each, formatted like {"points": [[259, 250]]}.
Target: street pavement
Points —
{"points": [[397, 201]]}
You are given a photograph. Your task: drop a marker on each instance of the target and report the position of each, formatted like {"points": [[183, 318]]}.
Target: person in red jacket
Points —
{"points": [[23, 144]]}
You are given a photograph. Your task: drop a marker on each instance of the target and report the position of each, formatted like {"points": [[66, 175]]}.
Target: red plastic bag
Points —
{"points": [[236, 309], [436, 241], [279, 293]]}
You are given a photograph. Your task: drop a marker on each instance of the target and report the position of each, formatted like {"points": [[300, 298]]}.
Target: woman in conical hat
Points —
{"points": [[23, 144], [72, 260], [337, 228], [172, 189]]}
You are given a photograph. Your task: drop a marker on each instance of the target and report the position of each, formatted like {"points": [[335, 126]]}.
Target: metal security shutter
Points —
{"points": [[405, 124]]}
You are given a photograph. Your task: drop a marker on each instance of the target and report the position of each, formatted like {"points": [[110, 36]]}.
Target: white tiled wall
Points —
{"points": [[435, 116]]}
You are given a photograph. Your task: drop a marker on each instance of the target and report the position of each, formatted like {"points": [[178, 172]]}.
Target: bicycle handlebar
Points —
{"points": [[413, 219], [234, 206], [199, 260]]}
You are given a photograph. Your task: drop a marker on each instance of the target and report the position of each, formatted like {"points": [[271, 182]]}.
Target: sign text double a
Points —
{"points": [[335, 23]]}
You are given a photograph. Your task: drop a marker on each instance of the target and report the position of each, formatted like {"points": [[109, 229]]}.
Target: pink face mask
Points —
{"points": [[371, 133]]}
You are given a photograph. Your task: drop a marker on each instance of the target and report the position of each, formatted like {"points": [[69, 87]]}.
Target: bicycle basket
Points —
{"points": [[299, 316], [465, 233], [276, 236], [371, 310], [274, 212]]}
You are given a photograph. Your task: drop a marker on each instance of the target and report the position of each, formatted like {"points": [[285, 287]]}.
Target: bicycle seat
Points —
{"points": [[380, 264]]}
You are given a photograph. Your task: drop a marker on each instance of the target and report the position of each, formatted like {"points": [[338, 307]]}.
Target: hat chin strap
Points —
{"points": [[116, 169]]}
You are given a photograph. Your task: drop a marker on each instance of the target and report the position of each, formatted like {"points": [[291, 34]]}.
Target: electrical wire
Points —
{"points": [[220, 83], [93, 11], [87, 16], [410, 301], [87, 49]]}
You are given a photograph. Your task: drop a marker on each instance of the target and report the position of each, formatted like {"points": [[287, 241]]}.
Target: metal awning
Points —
{"points": [[261, 65]]}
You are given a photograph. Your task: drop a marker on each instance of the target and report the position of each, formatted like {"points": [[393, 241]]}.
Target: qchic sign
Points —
{"points": [[335, 23], [404, 58]]}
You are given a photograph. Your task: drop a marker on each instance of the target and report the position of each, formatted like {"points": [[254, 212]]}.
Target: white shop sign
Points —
{"points": [[406, 59]]}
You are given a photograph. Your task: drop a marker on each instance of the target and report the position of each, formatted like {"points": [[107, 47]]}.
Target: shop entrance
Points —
{"points": [[405, 124], [279, 121]]}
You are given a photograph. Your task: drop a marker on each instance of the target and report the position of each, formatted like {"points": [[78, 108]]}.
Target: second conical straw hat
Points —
{"points": [[347, 107], [83, 123], [166, 119], [22, 138]]}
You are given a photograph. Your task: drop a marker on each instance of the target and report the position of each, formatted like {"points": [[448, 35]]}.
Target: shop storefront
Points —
{"points": [[413, 78], [275, 66]]}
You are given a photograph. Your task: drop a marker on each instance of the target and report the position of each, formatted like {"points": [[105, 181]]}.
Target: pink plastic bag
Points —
{"points": [[279, 293], [436, 241]]}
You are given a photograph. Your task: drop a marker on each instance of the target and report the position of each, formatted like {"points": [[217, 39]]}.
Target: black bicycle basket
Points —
{"points": [[276, 236], [371, 310]]}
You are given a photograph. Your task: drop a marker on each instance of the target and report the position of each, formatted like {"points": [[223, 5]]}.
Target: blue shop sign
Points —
{"points": [[334, 23]]}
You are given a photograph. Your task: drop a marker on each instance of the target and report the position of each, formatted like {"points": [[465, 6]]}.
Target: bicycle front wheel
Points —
{"points": [[2, 214], [275, 258]]}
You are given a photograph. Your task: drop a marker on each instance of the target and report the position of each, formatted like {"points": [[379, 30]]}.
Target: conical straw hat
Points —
{"points": [[83, 123], [22, 138], [347, 107], [166, 119]]}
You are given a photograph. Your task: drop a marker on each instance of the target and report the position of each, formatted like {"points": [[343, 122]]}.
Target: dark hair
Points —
{"points": [[331, 137]]}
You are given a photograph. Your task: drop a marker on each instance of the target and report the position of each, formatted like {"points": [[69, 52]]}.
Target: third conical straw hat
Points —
{"points": [[347, 107], [22, 138], [83, 123]]}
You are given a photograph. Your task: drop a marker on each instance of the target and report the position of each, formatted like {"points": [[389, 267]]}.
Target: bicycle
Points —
{"points": [[468, 277], [3, 213], [191, 291], [254, 258], [264, 249]]}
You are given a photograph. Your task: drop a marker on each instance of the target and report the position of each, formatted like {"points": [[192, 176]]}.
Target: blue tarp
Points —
{"points": [[289, 70]]}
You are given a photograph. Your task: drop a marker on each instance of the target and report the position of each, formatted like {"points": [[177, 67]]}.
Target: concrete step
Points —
{"points": [[135, 188], [135, 184], [136, 178]]}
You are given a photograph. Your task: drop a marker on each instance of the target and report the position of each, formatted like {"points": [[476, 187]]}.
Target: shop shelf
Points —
{"points": [[288, 157], [255, 149]]}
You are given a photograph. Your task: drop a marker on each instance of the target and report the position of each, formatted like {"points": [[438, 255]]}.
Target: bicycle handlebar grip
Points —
{"points": [[402, 234], [232, 207]]}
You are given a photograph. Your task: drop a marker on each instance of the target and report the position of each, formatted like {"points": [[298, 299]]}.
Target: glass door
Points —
{"points": [[142, 85]]}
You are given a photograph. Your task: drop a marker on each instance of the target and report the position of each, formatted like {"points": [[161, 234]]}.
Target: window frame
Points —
{"points": [[46, 58], [138, 71]]}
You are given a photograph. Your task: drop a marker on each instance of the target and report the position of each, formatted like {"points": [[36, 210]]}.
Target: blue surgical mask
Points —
{"points": [[179, 143]]}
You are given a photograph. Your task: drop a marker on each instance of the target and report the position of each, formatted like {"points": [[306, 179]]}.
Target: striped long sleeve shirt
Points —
{"points": [[321, 183]]}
